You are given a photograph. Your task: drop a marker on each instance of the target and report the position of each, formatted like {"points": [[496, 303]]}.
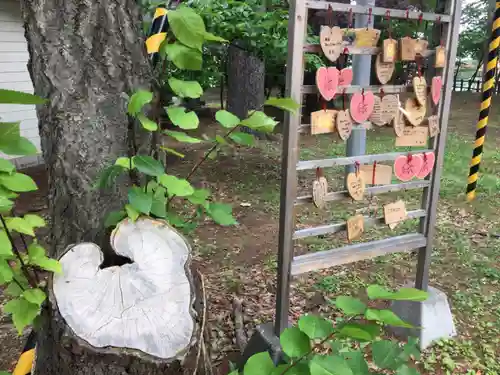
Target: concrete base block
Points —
{"points": [[262, 340], [433, 316]]}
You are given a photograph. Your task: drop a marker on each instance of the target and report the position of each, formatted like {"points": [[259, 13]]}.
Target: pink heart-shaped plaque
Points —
{"points": [[428, 161], [345, 78], [436, 86], [361, 106], [407, 167], [327, 80]]}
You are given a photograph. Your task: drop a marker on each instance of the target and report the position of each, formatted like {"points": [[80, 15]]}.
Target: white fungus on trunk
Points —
{"points": [[146, 305]]}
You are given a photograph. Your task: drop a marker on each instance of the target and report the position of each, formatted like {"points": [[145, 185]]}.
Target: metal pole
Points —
{"points": [[361, 67], [488, 88]]}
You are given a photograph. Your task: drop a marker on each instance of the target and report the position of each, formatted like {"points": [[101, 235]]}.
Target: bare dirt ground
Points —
{"points": [[240, 261]]}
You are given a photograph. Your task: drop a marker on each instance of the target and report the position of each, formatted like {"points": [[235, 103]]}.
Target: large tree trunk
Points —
{"points": [[245, 83], [85, 55], [145, 317]]}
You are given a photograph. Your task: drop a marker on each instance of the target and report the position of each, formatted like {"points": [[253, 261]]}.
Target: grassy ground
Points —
{"points": [[465, 257], [240, 261]]}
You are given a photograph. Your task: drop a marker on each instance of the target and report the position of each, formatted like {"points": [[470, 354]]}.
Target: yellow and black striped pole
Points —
{"points": [[157, 34], [27, 357], [488, 88]]}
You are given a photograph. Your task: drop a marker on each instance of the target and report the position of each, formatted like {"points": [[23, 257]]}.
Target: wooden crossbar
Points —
{"points": [[350, 160], [369, 191], [338, 227], [378, 11], [353, 253]]}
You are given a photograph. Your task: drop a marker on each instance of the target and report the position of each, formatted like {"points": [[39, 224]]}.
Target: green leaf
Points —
{"points": [[181, 137], [23, 312], [405, 370], [20, 146], [221, 213], [7, 193], [37, 257], [16, 97], [124, 162], [36, 296], [176, 186], [356, 361], [350, 306], [183, 119], [9, 132], [19, 225], [139, 200], [294, 342], [35, 251], [35, 221], [227, 119], [108, 176], [147, 123], [172, 151], [259, 364], [188, 27], [199, 196], [113, 218], [148, 165], [185, 89], [5, 245], [158, 208], [259, 121], [14, 290], [301, 368], [6, 166], [213, 38], [183, 57], [403, 294], [17, 182], [138, 100], [411, 349], [386, 317], [329, 365], [5, 204], [385, 354], [360, 332], [288, 104], [220, 140], [132, 213], [6, 274], [241, 138], [175, 220], [315, 326]]}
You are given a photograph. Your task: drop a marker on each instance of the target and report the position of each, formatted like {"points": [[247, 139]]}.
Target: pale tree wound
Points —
{"points": [[144, 305]]}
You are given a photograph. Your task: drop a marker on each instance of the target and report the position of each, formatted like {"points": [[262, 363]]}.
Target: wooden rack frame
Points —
{"points": [[290, 265]]}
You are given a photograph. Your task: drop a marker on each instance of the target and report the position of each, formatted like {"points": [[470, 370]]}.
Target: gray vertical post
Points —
{"points": [[361, 67], [297, 27], [431, 194]]}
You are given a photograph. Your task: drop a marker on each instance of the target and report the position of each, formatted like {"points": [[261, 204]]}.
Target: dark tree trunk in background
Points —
{"points": [[245, 83], [84, 56]]}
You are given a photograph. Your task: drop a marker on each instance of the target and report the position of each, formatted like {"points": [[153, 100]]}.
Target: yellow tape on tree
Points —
{"points": [[488, 89]]}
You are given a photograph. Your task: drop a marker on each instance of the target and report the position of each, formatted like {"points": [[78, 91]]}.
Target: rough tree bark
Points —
{"points": [[245, 83], [84, 56]]}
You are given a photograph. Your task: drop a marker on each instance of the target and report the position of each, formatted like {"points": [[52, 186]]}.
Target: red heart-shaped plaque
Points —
{"points": [[428, 161], [345, 78], [436, 86], [327, 80], [361, 106], [407, 167]]}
